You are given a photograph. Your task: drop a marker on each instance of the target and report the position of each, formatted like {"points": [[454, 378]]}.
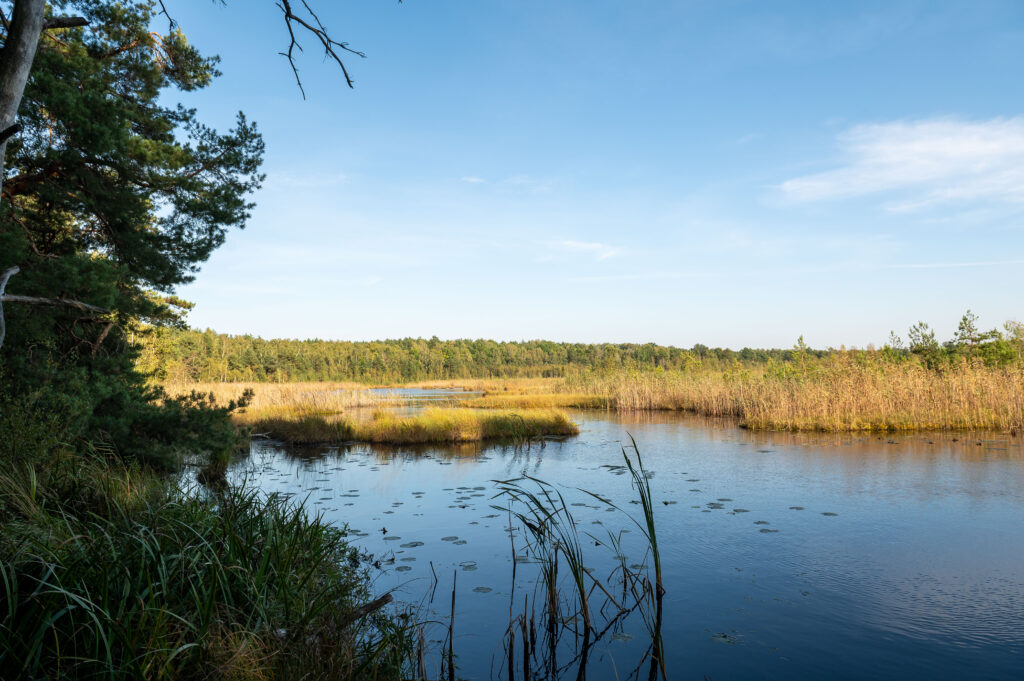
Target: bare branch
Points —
{"points": [[314, 26], [9, 132], [364, 610], [171, 23], [66, 302], [103, 336], [65, 22]]}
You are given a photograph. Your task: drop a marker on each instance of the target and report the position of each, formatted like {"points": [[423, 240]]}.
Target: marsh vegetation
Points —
{"points": [[975, 381]]}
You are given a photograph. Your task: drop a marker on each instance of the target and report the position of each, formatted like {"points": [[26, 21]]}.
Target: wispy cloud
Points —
{"points": [[600, 251], [919, 164], [473, 179]]}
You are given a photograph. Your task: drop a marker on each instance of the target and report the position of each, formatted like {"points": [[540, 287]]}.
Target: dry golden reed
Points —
{"points": [[842, 392], [538, 401], [316, 396], [835, 394]]}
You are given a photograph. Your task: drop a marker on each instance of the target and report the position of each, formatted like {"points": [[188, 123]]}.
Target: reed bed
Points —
{"points": [[431, 426], [297, 424], [539, 401], [488, 386], [843, 392], [832, 395], [320, 396]]}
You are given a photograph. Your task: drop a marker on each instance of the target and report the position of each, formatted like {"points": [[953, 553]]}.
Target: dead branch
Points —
{"points": [[65, 22], [102, 337], [66, 302], [364, 610], [314, 26]]}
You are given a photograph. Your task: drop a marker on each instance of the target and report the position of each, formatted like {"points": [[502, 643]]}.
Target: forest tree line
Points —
{"points": [[192, 355]]}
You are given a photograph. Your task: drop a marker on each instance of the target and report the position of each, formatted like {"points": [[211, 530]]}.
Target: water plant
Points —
{"points": [[552, 535]]}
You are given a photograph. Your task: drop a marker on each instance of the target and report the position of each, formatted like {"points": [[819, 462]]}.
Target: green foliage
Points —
{"points": [[112, 197], [923, 344], [188, 355]]}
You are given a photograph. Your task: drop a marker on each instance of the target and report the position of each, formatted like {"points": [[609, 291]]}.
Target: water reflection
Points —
{"points": [[786, 555]]}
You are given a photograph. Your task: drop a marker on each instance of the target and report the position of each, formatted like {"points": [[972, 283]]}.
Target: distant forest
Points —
{"points": [[188, 355]]}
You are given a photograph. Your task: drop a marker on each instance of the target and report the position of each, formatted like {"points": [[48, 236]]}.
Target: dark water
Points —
{"points": [[892, 557]]}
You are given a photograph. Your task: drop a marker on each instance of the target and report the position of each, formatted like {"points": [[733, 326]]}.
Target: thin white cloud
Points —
{"points": [[923, 163], [473, 179], [598, 250]]}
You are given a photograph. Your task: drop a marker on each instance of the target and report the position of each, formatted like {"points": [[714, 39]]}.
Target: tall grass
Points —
{"points": [[430, 426], [538, 401], [553, 537], [553, 532], [108, 572], [323, 397], [466, 425], [842, 392]]}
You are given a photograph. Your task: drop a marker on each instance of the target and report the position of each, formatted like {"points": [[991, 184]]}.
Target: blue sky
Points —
{"points": [[727, 173]]}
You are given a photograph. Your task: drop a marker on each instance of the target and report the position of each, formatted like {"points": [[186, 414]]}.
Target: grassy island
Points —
{"points": [[431, 426]]}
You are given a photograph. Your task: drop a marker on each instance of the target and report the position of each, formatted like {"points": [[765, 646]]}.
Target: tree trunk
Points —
{"points": [[4, 276], [16, 61]]}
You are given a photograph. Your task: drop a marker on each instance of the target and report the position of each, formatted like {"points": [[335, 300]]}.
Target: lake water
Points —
{"points": [[785, 556]]}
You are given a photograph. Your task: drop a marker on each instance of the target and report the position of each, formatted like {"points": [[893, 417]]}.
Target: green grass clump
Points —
{"points": [[431, 426], [297, 424], [465, 425], [109, 571]]}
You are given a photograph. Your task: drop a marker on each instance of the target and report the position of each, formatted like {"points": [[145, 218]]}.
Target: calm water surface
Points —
{"points": [[785, 557]]}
